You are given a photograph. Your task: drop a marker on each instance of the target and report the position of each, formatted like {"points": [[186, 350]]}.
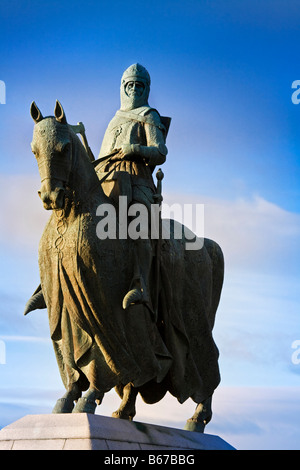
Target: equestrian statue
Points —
{"points": [[133, 313]]}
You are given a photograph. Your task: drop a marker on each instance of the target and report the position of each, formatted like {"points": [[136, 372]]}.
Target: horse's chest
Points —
{"points": [[63, 239]]}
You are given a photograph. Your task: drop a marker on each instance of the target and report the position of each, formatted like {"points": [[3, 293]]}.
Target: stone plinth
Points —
{"points": [[81, 431]]}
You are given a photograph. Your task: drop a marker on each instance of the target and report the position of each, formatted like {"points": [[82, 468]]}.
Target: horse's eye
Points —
{"points": [[33, 149]]}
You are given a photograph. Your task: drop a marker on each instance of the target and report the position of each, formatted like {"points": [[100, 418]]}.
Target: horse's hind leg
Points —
{"points": [[127, 407], [201, 417], [66, 403]]}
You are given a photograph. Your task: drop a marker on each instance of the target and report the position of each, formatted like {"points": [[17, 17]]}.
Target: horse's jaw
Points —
{"points": [[52, 206]]}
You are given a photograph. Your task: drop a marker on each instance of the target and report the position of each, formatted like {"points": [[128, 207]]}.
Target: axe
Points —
{"points": [[79, 129]]}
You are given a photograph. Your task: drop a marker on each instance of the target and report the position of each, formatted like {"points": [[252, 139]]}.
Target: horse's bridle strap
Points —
{"points": [[54, 170]]}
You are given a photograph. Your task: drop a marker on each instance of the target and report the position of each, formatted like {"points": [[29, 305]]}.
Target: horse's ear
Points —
{"points": [[35, 112], [59, 113]]}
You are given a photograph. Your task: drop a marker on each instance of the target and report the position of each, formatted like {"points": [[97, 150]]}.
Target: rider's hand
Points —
{"points": [[128, 152]]}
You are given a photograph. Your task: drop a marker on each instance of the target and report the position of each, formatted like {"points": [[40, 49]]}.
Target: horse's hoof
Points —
{"points": [[121, 415], [63, 405], [194, 426], [134, 296], [84, 405]]}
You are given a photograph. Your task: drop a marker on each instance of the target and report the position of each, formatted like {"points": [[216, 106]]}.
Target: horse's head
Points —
{"points": [[52, 147]]}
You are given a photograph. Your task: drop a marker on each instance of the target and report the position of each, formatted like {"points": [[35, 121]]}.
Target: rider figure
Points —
{"points": [[137, 135]]}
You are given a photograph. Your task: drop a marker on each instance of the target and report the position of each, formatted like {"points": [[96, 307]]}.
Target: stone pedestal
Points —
{"points": [[81, 431]]}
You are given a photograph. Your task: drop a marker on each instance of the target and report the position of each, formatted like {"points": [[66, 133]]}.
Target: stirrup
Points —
{"points": [[134, 296]]}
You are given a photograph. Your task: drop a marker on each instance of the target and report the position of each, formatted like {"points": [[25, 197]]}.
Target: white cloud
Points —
{"points": [[262, 418], [29, 339], [253, 234]]}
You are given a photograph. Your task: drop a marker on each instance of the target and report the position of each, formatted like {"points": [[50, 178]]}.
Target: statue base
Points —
{"points": [[82, 431]]}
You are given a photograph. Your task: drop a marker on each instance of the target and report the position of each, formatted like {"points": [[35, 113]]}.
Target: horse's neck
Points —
{"points": [[84, 181]]}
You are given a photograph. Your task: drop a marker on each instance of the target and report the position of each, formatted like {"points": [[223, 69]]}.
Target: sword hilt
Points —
{"points": [[158, 196]]}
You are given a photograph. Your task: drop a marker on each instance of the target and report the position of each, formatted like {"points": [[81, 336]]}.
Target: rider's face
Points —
{"points": [[134, 89]]}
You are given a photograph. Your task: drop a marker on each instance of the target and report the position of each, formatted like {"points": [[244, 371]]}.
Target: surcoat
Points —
{"points": [[143, 130]]}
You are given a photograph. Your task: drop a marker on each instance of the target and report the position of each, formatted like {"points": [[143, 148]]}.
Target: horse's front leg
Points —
{"points": [[89, 402], [201, 417], [127, 407], [65, 404]]}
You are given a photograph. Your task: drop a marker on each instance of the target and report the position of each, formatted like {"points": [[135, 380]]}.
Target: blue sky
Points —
{"points": [[223, 71]]}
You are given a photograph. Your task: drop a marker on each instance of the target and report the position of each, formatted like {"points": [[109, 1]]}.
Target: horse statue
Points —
{"points": [[98, 344]]}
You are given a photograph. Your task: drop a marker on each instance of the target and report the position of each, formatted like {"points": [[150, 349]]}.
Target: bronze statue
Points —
{"points": [[101, 339]]}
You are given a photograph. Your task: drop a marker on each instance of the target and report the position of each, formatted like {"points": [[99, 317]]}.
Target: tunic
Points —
{"points": [[143, 130]]}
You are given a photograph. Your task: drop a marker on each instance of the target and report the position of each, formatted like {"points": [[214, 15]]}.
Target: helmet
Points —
{"points": [[138, 73]]}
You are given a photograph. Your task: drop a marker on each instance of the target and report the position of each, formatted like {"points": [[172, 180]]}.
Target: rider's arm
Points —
{"points": [[155, 152]]}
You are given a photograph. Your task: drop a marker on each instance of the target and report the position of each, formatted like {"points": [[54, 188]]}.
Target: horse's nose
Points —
{"points": [[52, 199], [44, 195]]}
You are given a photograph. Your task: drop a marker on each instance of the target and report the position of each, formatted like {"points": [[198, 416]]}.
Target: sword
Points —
{"points": [[158, 200]]}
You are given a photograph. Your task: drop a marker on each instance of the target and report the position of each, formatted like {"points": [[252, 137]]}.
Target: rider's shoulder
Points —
{"points": [[151, 113]]}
